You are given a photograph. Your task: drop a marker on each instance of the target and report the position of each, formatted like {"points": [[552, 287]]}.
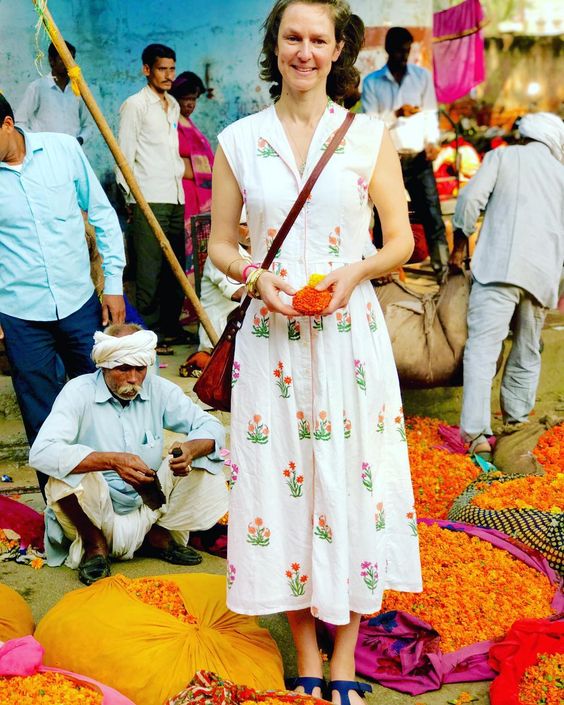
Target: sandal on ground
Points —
{"points": [[175, 553], [481, 448], [344, 687], [94, 568], [164, 349], [308, 683]]}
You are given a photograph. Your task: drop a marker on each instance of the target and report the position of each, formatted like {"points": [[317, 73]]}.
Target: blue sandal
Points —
{"points": [[308, 683], [343, 688]]}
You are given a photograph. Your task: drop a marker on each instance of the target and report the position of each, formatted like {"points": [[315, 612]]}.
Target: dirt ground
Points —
{"points": [[43, 588]]}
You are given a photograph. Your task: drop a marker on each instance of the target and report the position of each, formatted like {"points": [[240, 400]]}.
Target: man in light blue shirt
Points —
{"points": [[102, 446], [516, 268], [48, 308], [403, 96]]}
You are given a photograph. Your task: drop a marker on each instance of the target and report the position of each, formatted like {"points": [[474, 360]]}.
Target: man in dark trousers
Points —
{"points": [[403, 96]]}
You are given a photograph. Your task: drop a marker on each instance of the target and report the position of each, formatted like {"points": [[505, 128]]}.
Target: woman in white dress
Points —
{"points": [[321, 513]]}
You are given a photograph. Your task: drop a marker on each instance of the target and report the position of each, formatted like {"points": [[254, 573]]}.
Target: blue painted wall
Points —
{"points": [[110, 35]]}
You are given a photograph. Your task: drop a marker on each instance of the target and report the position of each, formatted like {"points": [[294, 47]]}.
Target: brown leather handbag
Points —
{"points": [[213, 387]]}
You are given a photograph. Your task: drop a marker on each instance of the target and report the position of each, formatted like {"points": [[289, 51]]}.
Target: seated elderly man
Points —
{"points": [[101, 446]]}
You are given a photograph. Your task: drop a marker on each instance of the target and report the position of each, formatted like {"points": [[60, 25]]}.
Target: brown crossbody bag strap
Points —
{"points": [[301, 199], [215, 383]]}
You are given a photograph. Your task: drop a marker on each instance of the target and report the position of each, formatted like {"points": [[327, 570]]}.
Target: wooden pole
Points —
{"points": [[76, 76]]}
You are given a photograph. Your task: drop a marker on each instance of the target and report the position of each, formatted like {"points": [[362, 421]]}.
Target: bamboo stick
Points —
{"points": [[75, 74]]}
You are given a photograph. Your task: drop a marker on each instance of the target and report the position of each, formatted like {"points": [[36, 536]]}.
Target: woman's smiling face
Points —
{"points": [[306, 46]]}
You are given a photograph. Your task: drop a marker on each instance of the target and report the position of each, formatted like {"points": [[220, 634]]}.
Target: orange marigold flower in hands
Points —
{"points": [[308, 300]]}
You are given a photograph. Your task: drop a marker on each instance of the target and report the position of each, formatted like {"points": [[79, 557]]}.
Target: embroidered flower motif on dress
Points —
{"points": [[369, 573], [293, 329], [264, 149], [323, 530], [257, 431], [279, 270], [322, 430], [412, 523], [360, 374], [347, 425], [304, 428], [343, 321], [294, 481], [335, 242], [317, 323], [257, 533], [272, 232], [283, 382], [296, 581], [371, 318], [380, 517], [235, 372], [380, 424], [231, 575], [261, 323], [362, 186], [340, 149], [233, 475], [400, 425], [366, 476]]}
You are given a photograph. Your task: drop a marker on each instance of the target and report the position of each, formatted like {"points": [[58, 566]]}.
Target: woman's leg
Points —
{"points": [[302, 625], [342, 661]]}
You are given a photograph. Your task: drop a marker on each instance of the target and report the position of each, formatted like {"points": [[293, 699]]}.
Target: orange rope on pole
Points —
{"points": [[80, 87]]}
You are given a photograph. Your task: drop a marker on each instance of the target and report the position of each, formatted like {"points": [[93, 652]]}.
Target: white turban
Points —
{"points": [[136, 349], [546, 128]]}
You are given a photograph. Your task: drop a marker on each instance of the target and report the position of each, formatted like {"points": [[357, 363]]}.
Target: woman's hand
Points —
{"points": [[342, 283], [269, 287]]}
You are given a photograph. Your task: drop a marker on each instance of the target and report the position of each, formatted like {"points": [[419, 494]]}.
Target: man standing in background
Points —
{"points": [[148, 137], [403, 96], [49, 104], [48, 307]]}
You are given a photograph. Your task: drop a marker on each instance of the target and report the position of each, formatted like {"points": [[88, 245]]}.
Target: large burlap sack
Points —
{"points": [[428, 331], [104, 632], [16, 619], [513, 451]]}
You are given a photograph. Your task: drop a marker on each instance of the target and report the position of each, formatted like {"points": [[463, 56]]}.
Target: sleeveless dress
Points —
{"points": [[321, 508]]}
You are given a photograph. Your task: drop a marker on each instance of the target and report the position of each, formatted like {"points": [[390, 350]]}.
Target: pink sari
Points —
{"points": [[197, 192]]}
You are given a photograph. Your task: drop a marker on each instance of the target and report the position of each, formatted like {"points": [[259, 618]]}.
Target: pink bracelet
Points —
{"points": [[245, 271]]}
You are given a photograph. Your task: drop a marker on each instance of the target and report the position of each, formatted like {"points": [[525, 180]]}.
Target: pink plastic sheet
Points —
{"points": [[402, 652], [24, 520], [458, 63], [24, 657]]}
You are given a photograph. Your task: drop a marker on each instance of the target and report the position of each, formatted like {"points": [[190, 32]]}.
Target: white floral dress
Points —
{"points": [[321, 510]]}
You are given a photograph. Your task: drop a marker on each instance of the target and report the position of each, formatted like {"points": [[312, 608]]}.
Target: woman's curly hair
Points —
{"points": [[349, 29]]}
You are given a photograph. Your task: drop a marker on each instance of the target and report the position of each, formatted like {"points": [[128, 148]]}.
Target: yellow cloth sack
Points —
{"points": [[147, 654], [15, 615]]}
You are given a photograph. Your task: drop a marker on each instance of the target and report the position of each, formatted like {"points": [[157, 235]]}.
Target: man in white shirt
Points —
{"points": [[403, 96], [49, 104], [516, 270], [148, 137]]}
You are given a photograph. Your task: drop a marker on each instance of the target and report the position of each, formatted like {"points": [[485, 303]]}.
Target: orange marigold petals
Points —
{"points": [[532, 492], [311, 302], [163, 594], [438, 476], [544, 681], [472, 591], [47, 689]]}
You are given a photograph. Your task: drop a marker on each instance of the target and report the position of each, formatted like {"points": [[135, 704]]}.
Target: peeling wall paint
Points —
{"points": [[111, 34]]}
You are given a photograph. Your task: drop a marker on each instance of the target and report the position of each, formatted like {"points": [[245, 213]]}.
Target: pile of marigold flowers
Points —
{"points": [[531, 492], [438, 476], [164, 594], [473, 591], [48, 689], [543, 683]]}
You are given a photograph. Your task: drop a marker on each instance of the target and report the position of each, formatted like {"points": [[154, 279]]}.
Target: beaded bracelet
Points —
{"points": [[245, 271]]}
